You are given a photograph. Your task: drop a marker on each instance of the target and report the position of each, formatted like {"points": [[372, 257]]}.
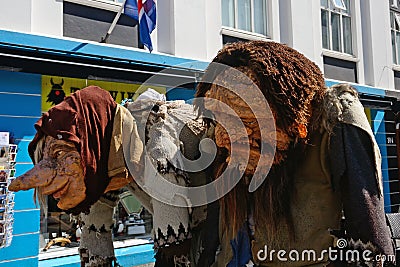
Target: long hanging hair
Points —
{"points": [[294, 88]]}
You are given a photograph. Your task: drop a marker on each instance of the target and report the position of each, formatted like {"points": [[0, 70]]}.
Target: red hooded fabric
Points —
{"points": [[84, 118]]}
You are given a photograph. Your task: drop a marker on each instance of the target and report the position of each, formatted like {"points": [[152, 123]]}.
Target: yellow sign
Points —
{"points": [[55, 88]]}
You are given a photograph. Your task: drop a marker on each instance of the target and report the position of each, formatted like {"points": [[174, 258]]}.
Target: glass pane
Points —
{"points": [[325, 28], [396, 21], [228, 13], [339, 4], [347, 43], [348, 6], [392, 20], [336, 40], [394, 48], [244, 15], [260, 17], [324, 3], [397, 46]]}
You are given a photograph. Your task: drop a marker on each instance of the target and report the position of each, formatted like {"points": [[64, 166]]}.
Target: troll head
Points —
{"points": [[294, 88]]}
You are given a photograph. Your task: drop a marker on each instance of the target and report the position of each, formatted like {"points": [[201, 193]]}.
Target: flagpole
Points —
{"points": [[112, 26]]}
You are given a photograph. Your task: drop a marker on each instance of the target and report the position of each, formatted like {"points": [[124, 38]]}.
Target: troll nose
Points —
{"points": [[38, 176]]}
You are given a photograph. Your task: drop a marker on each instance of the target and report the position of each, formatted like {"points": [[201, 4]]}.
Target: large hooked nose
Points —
{"points": [[40, 175]]}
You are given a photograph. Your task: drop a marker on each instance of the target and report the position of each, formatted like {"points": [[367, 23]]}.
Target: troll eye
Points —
{"points": [[59, 153]]}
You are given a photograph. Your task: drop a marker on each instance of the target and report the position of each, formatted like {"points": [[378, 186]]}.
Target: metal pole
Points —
{"points": [[113, 24]]}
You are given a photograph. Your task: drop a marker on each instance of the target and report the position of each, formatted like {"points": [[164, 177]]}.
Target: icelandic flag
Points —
{"points": [[131, 9], [143, 11], [147, 21]]}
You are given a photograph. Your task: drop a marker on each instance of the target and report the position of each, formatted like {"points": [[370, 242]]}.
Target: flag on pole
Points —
{"points": [[144, 11], [131, 9], [147, 21]]}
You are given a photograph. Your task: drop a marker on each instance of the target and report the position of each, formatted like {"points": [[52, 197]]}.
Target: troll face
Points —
{"points": [[294, 88], [259, 129], [70, 150], [58, 173]]}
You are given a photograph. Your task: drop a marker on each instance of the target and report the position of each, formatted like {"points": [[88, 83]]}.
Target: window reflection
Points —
{"points": [[131, 219], [246, 15], [336, 27]]}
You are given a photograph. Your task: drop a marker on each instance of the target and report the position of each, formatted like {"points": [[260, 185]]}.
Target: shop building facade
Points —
{"points": [[49, 43]]}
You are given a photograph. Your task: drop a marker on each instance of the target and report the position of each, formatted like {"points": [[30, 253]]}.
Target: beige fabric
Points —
{"points": [[124, 123], [125, 126], [315, 209]]}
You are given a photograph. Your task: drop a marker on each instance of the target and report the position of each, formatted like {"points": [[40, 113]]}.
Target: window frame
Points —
{"points": [[110, 5], [340, 6], [235, 31], [348, 13], [395, 19]]}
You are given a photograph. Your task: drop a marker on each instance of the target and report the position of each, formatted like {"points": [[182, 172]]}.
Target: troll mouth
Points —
{"points": [[57, 195]]}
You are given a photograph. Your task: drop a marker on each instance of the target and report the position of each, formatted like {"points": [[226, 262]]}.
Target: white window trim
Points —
{"points": [[101, 4], [339, 55], [243, 34], [394, 4], [334, 53], [397, 20]]}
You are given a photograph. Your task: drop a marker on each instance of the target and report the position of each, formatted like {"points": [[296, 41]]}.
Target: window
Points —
{"points": [[395, 31], [246, 15], [336, 25], [132, 221]]}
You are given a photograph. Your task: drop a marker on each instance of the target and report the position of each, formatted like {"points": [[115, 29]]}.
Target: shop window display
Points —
{"points": [[59, 229]]}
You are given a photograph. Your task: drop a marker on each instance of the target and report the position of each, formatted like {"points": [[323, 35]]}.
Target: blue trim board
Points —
{"points": [[360, 88], [22, 246], [69, 261], [58, 46], [26, 222], [135, 255], [19, 82], [18, 126], [128, 256], [26, 262], [378, 128], [20, 105], [180, 94], [24, 200]]}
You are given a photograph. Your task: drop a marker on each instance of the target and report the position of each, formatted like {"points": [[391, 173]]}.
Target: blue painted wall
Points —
{"points": [[378, 127], [20, 96], [128, 256], [180, 94]]}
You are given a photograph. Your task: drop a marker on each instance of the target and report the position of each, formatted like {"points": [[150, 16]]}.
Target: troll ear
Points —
{"points": [[302, 130]]}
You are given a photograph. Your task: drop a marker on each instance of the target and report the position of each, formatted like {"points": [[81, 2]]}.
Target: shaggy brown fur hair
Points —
{"points": [[290, 82], [294, 88]]}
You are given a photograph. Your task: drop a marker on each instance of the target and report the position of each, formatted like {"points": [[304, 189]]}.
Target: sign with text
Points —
{"points": [[55, 88]]}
